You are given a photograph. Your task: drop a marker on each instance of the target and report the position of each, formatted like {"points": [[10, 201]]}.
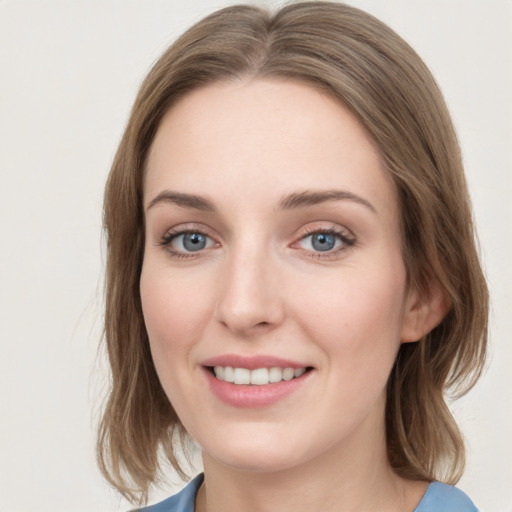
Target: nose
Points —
{"points": [[250, 299]]}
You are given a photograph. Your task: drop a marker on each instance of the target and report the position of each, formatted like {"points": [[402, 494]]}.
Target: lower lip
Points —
{"points": [[252, 395]]}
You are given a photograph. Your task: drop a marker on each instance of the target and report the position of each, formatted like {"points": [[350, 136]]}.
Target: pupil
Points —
{"points": [[323, 242], [194, 241]]}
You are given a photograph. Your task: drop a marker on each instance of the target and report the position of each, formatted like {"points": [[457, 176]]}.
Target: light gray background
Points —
{"points": [[69, 71]]}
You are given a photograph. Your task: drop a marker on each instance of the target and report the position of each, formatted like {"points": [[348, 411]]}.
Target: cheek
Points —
{"points": [[358, 329], [367, 299], [356, 317], [175, 312]]}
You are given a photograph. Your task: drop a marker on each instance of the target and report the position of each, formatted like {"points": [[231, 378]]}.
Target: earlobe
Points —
{"points": [[423, 313]]}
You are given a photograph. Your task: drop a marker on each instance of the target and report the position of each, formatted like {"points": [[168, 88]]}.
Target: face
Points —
{"points": [[273, 286]]}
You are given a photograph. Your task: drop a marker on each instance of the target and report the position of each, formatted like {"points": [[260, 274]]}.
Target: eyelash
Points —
{"points": [[168, 238], [347, 241]]}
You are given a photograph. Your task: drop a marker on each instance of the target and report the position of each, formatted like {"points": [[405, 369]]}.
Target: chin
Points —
{"points": [[251, 462], [254, 455]]}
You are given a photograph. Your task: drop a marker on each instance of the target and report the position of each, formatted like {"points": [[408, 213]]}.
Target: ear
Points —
{"points": [[423, 312]]}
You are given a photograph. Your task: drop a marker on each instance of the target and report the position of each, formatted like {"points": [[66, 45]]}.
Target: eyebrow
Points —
{"points": [[313, 197], [183, 200], [291, 201]]}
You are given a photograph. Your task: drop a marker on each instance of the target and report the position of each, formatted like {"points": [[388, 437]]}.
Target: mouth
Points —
{"points": [[257, 380], [256, 377]]}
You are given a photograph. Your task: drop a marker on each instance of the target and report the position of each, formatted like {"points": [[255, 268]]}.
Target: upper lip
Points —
{"points": [[252, 362]]}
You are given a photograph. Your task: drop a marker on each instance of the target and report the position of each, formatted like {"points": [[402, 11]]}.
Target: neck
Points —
{"points": [[344, 478]]}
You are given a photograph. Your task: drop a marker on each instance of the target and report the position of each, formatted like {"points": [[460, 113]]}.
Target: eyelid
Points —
{"points": [[347, 238], [183, 229]]}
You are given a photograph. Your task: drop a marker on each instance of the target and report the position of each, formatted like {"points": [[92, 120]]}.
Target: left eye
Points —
{"points": [[191, 242], [321, 242]]}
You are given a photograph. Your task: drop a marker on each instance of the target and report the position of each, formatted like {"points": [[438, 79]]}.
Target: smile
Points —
{"points": [[257, 380], [258, 376]]}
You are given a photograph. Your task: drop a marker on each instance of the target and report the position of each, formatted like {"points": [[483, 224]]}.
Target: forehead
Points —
{"points": [[264, 136]]}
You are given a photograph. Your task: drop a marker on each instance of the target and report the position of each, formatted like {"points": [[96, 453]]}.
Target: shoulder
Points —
{"points": [[445, 498], [181, 502]]}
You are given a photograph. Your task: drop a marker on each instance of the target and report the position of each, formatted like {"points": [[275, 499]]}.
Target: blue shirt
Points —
{"points": [[438, 498]]}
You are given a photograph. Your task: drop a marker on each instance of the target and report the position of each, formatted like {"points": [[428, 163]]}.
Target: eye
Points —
{"points": [[322, 241], [325, 241], [186, 242]]}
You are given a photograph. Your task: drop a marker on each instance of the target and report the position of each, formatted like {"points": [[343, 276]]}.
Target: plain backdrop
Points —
{"points": [[69, 71]]}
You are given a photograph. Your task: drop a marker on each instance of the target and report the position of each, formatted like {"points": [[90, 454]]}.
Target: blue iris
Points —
{"points": [[323, 241], [194, 241]]}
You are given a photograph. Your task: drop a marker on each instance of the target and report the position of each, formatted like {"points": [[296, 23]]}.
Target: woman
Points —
{"points": [[292, 279]]}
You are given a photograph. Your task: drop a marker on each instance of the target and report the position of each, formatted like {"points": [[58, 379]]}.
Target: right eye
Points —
{"points": [[186, 242]]}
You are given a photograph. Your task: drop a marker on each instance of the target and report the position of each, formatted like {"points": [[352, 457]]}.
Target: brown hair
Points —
{"points": [[362, 63]]}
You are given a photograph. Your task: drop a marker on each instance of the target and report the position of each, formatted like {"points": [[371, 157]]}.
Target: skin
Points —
{"points": [[260, 287]]}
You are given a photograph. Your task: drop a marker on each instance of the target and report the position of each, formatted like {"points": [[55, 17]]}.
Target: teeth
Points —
{"points": [[275, 375], [242, 376], [229, 374], [288, 374], [298, 372], [258, 377]]}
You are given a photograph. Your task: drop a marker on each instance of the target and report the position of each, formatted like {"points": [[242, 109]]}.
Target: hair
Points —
{"points": [[356, 59]]}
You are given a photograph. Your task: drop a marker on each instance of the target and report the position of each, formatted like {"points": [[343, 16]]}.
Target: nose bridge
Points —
{"points": [[249, 298]]}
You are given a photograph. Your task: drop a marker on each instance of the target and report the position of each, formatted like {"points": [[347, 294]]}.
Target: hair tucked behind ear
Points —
{"points": [[359, 61]]}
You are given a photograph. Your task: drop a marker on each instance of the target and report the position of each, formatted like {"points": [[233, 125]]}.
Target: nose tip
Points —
{"points": [[250, 300], [247, 318]]}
